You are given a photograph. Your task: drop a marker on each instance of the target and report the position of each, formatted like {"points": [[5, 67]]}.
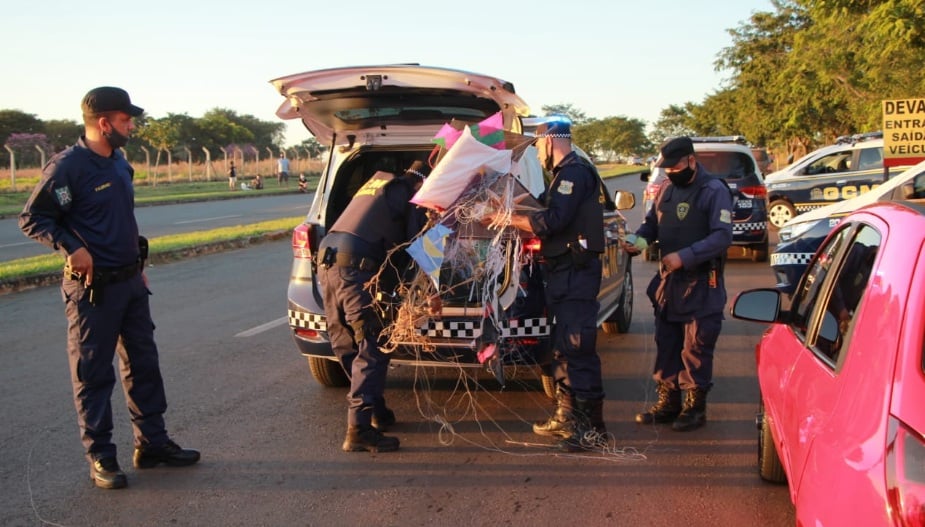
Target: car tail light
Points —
{"points": [[905, 470], [756, 191], [308, 334], [533, 245], [303, 244]]}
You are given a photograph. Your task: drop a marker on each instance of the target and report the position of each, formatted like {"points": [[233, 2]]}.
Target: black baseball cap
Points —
{"points": [[673, 150], [109, 99]]}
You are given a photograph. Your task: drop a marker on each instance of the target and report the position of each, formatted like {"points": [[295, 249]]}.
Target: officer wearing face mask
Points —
{"points": [[84, 208], [691, 219]]}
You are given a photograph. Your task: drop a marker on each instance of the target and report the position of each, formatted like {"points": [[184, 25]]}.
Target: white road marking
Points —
{"points": [[30, 242], [208, 219], [263, 327]]}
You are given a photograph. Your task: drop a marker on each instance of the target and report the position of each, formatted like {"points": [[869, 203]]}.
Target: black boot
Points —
{"points": [[694, 413], [588, 426], [594, 409], [666, 409], [362, 438], [560, 424]]}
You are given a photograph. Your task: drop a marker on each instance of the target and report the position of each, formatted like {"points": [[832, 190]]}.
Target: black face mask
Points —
{"points": [[115, 139], [681, 178]]}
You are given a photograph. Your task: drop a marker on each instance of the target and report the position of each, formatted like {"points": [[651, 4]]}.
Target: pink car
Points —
{"points": [[842, 374]]}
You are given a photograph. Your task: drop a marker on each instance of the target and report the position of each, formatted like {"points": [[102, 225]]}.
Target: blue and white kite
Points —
{"points": [[428, 251]]}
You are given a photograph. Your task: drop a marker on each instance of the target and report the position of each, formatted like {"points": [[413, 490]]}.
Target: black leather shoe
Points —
{"points": [[383, 420], [106, 474], [368, 439], [169, 453]]}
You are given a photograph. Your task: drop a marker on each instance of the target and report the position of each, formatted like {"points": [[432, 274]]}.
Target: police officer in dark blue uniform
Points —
{"points": [[571, 228], [378, 218], [692, 220], [84, 207]]}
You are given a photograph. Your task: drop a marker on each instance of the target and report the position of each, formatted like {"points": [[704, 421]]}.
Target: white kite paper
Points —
{"points": [[455, 171]]}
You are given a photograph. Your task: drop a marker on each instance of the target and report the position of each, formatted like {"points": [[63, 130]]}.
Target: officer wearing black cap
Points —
{"points": [[377, 219], [692, 220], [83, 207], [571, 228]]}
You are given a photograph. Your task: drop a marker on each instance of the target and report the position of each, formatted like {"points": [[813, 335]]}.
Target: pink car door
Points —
{"points": [[817, 385]]}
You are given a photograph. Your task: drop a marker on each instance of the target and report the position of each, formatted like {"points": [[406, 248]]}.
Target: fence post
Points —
{"points": [[12, 167], [189, 162], [147, 163], [208, 163], [169, 166], [42, 152]]}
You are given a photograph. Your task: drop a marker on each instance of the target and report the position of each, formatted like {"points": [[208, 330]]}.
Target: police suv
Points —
{"points": [[844, 170], [384, 118]]}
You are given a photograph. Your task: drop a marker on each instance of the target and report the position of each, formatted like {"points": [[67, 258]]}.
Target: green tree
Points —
{"points": [[611, 136], [63, 133], [673, 121], [574, 114]]}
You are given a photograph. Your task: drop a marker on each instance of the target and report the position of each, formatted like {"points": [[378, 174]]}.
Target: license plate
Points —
{"points": [[744, 204]]}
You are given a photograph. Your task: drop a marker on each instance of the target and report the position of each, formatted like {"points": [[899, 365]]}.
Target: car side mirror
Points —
{"points": [[757, 305], [624, 199]]}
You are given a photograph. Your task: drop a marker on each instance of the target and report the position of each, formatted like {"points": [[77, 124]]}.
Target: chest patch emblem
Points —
{"points": [[683, 209], [566, 187], [64, 195]]}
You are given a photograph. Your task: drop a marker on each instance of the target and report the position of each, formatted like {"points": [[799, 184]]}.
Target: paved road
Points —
{"points": [[174, 219], [271, 436]]}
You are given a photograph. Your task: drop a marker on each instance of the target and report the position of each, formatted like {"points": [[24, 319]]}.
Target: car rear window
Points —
{"points": [[733, 166]]}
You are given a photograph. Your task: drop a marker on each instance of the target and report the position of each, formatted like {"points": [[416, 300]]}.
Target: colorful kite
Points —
{"points": [[428, 251]]}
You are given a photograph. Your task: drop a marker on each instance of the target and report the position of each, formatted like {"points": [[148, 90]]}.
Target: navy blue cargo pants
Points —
{"points": [[571, 302], [120, 322], [354, 328]]}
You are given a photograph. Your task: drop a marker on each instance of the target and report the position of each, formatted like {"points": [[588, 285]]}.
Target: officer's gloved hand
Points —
{"points": [[635, 244]]}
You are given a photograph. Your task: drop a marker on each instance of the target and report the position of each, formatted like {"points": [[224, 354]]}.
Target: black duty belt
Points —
{"points": [[363, 263], [107, 275], [556, 261], [333, 256]]}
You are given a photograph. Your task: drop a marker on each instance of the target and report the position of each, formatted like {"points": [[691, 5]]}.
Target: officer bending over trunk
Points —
{"points": [[378, 218]]}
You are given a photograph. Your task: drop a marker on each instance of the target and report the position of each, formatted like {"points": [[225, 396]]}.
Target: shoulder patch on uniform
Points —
{"points": [[63, 194], [725, 216], [566, 187]]}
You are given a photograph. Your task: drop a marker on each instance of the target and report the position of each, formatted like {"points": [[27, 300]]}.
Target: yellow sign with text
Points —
{"points": [[903, 132]]}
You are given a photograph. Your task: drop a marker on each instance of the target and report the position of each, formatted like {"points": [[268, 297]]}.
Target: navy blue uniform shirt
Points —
{"points": [[85, 200], [573, 208], [716, 202]]}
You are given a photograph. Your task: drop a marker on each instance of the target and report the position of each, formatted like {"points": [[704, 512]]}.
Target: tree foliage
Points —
{"points": [[812, 70]]}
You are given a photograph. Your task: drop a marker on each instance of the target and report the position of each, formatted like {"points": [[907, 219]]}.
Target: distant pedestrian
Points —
{"points": [[84, 207], [282, 170], [232, 177]]}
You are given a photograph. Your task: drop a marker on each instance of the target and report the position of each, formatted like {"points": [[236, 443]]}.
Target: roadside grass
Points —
{"points": [[162, 249], [11, 203]]}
